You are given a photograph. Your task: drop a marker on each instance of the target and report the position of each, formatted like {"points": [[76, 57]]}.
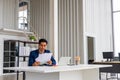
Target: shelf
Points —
{"points": [[9, 56], [22, 56], [9, 62], [14, 73], [9, 51], [12, 56], [14, 32], [28, 42]]}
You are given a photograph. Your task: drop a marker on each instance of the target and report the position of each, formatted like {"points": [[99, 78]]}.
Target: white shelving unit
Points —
{"points": [[13, 56]]}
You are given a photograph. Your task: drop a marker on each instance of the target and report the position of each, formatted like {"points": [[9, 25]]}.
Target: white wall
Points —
{"points": [[98, 24], [8, 14], [1, 13]]}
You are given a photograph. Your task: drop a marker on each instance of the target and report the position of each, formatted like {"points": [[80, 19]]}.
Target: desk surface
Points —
{"points": [[112, 62], [114, 69], [49, 69]]}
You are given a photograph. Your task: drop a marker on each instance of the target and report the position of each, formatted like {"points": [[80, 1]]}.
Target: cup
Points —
{"points": [[77, 60]]}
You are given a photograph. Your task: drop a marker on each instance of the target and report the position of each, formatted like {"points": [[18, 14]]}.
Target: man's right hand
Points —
{"points": [[36, 64]]}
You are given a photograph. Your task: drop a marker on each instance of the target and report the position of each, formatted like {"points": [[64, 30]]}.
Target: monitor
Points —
{"points": [[108, 55]]}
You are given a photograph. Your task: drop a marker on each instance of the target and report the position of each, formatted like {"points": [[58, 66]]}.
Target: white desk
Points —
{"points": [[76, 72]]}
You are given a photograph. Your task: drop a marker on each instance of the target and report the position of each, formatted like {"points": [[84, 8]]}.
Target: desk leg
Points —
{"points": [[106, 76], [17, 75], [99, 75], [24, 76], [117, 75]]}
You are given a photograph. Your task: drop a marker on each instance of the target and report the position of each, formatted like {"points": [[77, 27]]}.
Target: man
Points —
{"points": [[41, 50]]}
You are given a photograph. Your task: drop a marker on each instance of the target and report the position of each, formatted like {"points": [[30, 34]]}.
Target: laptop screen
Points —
{"points": [[64, 61]]}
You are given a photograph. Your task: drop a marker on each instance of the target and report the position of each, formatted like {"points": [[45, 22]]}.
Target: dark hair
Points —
{"points": [[43, 40]]}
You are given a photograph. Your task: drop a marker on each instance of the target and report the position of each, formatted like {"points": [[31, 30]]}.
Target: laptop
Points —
{"points": [[64, 61]]}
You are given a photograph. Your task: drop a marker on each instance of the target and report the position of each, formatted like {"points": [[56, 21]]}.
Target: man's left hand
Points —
{"points": [[49, 62]]}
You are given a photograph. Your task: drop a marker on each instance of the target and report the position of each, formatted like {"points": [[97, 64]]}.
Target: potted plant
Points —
{"points": [[32, 38]]}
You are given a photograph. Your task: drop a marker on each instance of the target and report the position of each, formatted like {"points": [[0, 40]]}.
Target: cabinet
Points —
{"points": [[9, 55], [15, 52]]}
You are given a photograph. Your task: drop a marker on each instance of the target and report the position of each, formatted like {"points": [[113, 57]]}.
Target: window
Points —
{"points": [[23, 15], [116, 25]]}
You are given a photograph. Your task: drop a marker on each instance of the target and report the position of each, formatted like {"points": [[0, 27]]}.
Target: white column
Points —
{"points": [[84, 36], [56, 29], [1, 55]]}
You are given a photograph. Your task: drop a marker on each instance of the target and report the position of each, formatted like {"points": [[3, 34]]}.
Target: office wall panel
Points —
{"points": [[9, 13], [70, 28], [40, 18], [1, 13]]}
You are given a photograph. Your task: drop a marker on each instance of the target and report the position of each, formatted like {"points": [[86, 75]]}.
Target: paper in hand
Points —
{"points": [[43, 58]]}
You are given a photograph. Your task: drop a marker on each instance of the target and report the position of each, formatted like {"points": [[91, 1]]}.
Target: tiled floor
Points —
{"points": [[103, 77]]}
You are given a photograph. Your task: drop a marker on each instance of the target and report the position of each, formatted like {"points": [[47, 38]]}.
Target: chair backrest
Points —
{"points": [[64, 61], [116, 59], [119, 56]]}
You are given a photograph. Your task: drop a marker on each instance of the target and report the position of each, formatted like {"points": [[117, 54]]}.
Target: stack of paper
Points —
{"points": [[43, 58]]}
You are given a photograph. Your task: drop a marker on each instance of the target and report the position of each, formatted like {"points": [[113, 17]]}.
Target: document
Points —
{"points": [[43, 58]]}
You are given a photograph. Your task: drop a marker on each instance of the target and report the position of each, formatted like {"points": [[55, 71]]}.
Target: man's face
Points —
{"points": [[42, 46]]}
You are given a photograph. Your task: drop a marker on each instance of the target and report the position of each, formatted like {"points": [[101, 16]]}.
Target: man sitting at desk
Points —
{"points": [[41, 50]]}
